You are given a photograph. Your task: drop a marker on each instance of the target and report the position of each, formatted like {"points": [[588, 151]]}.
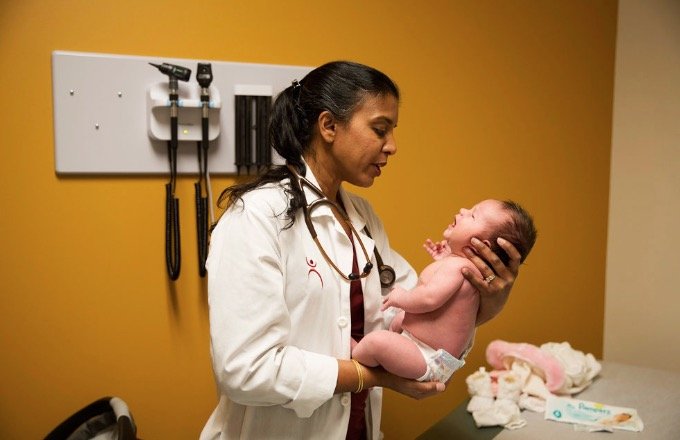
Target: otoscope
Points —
{"points": [[204, 78], [174, 71], [172, 241]]}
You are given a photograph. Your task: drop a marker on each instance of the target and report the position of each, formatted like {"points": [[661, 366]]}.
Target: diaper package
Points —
{"points": [[595, 415]]}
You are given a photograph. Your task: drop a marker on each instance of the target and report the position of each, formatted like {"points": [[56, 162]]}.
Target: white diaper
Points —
{"points": [[440, 363]]}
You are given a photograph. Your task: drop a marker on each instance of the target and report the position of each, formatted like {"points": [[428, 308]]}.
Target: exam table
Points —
{"points": [[655, 394]]}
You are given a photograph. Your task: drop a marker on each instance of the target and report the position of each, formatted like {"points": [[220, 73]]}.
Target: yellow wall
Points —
{"points": [[500, 99]]}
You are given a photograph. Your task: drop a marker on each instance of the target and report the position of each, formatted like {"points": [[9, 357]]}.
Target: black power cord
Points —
{"points": [[204, 78], [173, 254]]}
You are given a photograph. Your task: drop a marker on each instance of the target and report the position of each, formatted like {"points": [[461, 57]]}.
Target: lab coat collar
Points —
{"points": [[344, 252], [324, 210], [357, 220]]}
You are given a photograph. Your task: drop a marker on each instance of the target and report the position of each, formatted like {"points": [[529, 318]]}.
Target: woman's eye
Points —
{"points": [[380, 132]]}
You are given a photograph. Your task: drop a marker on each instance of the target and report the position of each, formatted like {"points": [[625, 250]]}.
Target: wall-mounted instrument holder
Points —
{"points": [[252, 106], [114, 115], [189, 112], [110, 110]]}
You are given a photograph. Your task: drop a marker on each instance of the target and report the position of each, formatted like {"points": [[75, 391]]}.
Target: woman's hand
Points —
{"points": [[348, 380], [412, 388], [496, 281], [437, 250]]}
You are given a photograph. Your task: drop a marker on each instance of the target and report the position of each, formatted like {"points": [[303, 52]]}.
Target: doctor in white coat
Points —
{"points": [[284, 305]]}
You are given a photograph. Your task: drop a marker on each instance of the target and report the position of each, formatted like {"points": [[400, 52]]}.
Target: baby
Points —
{"points": [[429, 339]]}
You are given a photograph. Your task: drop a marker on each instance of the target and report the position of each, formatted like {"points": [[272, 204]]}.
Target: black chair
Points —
{"points": [[105, 419]]}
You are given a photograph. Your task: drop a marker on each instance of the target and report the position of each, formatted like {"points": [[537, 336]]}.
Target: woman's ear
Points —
{"points": [[327, 125]]}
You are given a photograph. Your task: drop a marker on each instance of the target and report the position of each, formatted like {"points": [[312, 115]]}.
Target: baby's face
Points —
{"points": [[478, 221]]}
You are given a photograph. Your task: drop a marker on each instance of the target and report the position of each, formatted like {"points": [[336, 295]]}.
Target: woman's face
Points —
{"points": [[362, 145]]}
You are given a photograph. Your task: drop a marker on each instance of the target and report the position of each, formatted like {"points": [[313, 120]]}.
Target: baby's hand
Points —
{"points": [[395, 325], [437, 250], [391, 300], [386, 304]]}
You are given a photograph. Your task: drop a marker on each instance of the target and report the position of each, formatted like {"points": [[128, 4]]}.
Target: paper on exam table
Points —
{"points": [[583, 412]]}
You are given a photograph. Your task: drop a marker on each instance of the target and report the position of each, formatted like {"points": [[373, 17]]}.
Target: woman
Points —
{"points": [[284, 305]]}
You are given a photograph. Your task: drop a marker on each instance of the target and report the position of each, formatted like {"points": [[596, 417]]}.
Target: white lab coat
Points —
{"points": [[280, 316]]}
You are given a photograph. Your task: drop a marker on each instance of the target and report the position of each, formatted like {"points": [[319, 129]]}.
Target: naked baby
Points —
{"points": [[431, 335]]}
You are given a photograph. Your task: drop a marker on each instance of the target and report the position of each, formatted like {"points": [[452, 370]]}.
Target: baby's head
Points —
{"points": [[489, 220], [518, 229]]}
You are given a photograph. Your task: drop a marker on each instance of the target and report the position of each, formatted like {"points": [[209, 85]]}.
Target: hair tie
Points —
{"points": [[297, 88]]}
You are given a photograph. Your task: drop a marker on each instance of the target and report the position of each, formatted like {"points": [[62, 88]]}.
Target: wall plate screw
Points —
{"points": [[71, 92], [96, 126]]}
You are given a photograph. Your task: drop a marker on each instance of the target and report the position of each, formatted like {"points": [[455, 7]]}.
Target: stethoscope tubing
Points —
{"points": [[301, 182]]}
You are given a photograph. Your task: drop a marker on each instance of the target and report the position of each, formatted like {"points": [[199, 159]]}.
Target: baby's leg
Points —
{"points": [[393, 352]]}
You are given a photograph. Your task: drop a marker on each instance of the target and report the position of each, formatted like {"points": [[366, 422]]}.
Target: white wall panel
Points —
{"points": [[101, 112]]}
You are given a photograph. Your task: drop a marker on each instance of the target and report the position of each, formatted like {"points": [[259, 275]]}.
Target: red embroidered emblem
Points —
{"points": [[312, 269]]}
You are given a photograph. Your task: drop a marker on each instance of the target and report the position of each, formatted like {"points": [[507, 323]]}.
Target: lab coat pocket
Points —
{"points": [[309, 280], [312, 290]]}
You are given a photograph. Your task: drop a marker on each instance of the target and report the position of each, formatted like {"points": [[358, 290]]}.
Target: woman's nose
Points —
{"points": [[390, 146]]}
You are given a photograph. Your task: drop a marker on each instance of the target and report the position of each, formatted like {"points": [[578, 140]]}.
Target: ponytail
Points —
{"points": [[337, 87], [289, 130], [289, 134]]}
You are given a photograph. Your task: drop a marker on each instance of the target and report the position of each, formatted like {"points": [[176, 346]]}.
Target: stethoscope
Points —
{"points": [[385, 272]]}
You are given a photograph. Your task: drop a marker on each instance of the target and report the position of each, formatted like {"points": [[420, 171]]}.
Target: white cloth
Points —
{"points": [[579, 368], [479, 387], [527, 388], [502, 412], [280, 316], [502, 409], [516, 389]]}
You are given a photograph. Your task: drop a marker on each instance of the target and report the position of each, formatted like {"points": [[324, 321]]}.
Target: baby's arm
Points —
{"points": [[431, 294]]}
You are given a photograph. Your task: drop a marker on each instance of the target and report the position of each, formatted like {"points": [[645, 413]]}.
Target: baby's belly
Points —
{"points": [[454, 339], [451, 329]]}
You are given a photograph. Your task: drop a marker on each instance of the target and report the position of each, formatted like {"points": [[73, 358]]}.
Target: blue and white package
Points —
{"points": [[598, 415]]}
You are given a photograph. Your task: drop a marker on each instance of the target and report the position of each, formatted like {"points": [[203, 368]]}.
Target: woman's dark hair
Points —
{"points": [[337, 87], [518, 230]]}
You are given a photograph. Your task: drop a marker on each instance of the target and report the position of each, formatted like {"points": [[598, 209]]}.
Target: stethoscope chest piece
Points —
{"points": [[387, 275]]}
